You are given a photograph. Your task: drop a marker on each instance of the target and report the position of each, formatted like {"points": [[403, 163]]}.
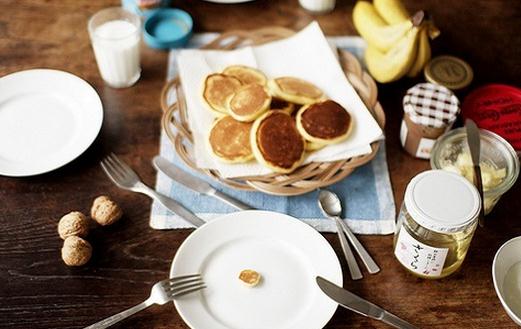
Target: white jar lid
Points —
{"points": [[442, 201]]}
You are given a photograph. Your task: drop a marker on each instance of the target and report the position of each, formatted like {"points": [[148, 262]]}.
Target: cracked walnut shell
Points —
{"points": [[73, 223], [76, 251], [105, 211]]}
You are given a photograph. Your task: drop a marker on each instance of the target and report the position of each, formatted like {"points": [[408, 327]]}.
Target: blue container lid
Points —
{"points": [[168, 28]]}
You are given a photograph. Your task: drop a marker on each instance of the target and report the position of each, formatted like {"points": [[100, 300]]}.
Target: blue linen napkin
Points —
{"points": [[366, 194]]}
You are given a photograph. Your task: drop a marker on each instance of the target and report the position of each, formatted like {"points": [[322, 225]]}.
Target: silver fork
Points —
{"points": [[126, 178], [162, 292]]}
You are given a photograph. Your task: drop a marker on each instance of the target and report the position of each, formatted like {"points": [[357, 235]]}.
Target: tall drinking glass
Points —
{"points": [[115, 34]]}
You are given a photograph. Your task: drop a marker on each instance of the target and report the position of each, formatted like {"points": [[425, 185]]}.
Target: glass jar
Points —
{"points": [[499, 162], [436, 223]]}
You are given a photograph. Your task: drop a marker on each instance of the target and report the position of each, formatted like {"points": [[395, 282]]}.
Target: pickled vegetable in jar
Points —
{"points": [[436, 223]]}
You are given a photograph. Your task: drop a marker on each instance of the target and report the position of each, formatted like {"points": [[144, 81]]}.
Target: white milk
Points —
{"points": [[116, 47]]}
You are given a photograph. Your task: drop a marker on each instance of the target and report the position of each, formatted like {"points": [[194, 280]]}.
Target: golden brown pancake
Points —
{"points": [[311, 146], [216, 91], [249, 102], [295, 90], [276, 143], [229, 140], [278, 104], [246, 74], [326, 122]]}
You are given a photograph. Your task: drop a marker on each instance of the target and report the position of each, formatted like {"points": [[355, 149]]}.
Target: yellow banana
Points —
{"points": [[390, 66], [375, 30], [424, 53], [392, 11]]}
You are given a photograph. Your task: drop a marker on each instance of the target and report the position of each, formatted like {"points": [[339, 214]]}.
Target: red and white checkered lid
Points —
{"points": [[431, 105]]}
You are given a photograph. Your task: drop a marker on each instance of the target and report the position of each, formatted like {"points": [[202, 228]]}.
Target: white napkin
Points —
{"points": [[306, 55]]}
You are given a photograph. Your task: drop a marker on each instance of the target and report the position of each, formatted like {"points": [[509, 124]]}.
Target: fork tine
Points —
{"points": [[186, 290], [115, 165], [122, 165], [112, 170], [186, 283], [108, 171], [182, 277]]}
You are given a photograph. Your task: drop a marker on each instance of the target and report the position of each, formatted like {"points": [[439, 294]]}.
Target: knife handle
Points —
{"points": [[354, 270], [479, 185], [230, 201]]}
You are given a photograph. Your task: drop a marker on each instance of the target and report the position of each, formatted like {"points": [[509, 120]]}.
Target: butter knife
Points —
{"points": [[359, 305], [194, 183], [474, 142]]}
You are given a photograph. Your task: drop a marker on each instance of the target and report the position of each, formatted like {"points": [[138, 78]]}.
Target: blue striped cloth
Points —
{"points": [[366, 194]]}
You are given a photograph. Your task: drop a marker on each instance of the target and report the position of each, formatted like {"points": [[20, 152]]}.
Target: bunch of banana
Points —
{"points": [[398, 44]]}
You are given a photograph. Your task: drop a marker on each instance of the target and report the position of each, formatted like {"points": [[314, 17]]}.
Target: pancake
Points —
{"points": [[217, 89], [295, 90], [229, 140], [246, 74], [311, 146], [278, 104], [276, 142], [249, 102], [325, 122]]}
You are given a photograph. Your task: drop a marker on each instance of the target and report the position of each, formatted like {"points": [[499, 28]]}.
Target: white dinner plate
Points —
{"points": [[47, 119], [287, 253]]}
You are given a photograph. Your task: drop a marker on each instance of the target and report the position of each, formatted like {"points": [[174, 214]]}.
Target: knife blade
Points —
{"points": [[179, 175], [359, 305], [474, 142]]}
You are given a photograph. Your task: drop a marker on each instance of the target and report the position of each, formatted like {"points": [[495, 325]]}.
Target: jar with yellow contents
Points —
{"points": [[436, 223]]}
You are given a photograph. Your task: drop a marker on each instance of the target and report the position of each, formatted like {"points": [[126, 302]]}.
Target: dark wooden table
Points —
{"points": [[38, 291]]}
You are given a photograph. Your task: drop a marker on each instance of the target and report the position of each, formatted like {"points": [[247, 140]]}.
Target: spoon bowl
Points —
{"points": [[329, 203]]}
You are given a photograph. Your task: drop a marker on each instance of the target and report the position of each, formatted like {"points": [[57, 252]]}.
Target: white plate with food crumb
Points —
{"points": [[286, 253], [47, 119]]}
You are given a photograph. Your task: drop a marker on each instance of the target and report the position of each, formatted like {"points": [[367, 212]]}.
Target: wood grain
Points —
{"points": [[38, 291]]}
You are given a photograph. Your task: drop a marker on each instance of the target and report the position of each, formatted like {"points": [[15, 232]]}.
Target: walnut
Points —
{"points": [[74, 223], [105, 211], [76, 251]]}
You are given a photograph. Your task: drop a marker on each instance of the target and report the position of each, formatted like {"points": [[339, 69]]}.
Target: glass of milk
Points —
{"points": [[115, 34]]}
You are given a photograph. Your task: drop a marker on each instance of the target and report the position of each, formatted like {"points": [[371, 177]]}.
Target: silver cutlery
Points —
{"points": [[474, 142], [332, 207], [194, 183], [162, 292], [126, 178], [359, 305]]}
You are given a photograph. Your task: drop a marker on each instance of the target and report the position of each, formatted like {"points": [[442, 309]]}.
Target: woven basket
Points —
{"points": [[305, 178]]}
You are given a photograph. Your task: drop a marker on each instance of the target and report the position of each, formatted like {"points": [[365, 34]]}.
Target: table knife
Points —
{"points": [[359, 305], [474, 142], [194, 183]]}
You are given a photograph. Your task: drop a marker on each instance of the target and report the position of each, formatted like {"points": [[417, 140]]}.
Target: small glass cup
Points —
{"points": [[495, 151], [318, 6], [115, 34]]}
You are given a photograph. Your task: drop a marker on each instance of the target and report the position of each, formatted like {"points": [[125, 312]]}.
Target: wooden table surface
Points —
{"points": [[39, 291]]}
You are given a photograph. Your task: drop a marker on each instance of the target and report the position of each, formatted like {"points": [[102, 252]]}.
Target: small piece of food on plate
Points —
{"points": [[76, 251], [276, 142], [246, 74], [73, 223], [249, 102], [217, 88], [295, 90], [325, 122], [250, 278], [105, 211], [229, 140], [278, 104]]}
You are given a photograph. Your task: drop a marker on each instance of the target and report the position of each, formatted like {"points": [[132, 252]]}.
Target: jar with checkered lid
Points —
{"points": [[429, 111]]}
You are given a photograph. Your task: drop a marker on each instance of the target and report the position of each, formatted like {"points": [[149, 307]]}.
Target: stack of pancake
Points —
{"points": [[255, 118]]}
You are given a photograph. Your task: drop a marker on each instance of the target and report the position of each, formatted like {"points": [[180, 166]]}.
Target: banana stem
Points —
{"points": [[418, 17]]}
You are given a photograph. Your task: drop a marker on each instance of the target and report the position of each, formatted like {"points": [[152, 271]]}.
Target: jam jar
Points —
{"points": [[436, 223]]}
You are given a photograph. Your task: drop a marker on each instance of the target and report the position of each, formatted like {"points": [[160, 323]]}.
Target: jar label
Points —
{"points": [[419, 257]]}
